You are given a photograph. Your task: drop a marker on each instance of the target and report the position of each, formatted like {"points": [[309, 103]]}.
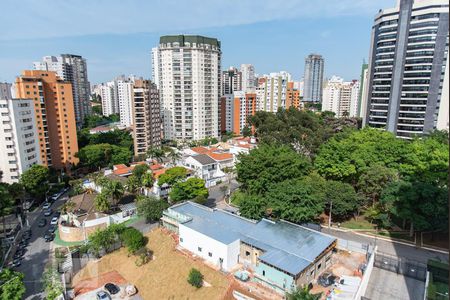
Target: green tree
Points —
{"points": [[373, 180], [172, 175], [195, 278], [267, 165], [11, 285], [101, 239], [174, 156], [133, 184], [156, 153], [191, 189], [114, 190], [140, 170], [151, 208], [6, 204], [343, 197], [102, 202], [53, 287], [133, 239], [303, 294], [147, 180], [101, 155], [252, 206], [247, 131], [35, 180]]}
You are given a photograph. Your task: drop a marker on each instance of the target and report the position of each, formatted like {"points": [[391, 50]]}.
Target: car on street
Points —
{"points": [[28, 232], [326, 279], [48, 237], [52, 228], [103, 296], [23, 244], [57, 214], [18, 254], [112, 288], [46, 205], [48, 212], [16, 262], [54, 221], [42, 222]]}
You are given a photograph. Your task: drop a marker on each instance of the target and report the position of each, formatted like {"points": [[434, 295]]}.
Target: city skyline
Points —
{"points": [[295, 29]]}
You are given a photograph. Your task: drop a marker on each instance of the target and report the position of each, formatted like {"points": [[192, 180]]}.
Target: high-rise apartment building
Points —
{"points": [[71, 68], [5, 90], [117, 97], [248, 77], [408, 68], [19, 144], [362, 97], [292, 96], [231, 81], [341, 97], [275, 86], [313, 78], [55, 116], [146, 119], [236, 110], [189, 86]]}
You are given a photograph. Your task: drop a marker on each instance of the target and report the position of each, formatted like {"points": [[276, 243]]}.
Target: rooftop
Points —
{"points": [[287, 246], [204, 159]]}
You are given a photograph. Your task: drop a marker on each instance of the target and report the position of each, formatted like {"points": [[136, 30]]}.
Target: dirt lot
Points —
{"points": [[165, 277]]}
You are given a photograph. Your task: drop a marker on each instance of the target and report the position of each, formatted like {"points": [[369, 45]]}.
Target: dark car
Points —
{"points": [[42, 222], [112, 288], [48, 212], [57, 214], [326, 279], [48, 237], [16, 262], [18, 254], [52, 229], [23, 244]]}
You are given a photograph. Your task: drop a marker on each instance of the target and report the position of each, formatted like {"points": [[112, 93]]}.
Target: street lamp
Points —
{"points": [[329, 217]]}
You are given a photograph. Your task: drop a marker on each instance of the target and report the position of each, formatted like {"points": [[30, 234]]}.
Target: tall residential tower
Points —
{"points": [[313, 78], [408, 82]]}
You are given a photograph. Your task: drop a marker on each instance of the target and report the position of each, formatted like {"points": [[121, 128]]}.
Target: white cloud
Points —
{"points": [[49, 18]]}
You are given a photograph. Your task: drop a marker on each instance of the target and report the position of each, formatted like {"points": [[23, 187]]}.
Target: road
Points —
{"points": [[391, 248], [216, 196], [37, 253]]}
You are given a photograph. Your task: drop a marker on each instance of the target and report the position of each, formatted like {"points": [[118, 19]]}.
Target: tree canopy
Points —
{"points": [[172, 175], [102, 155], [11, 285], [191, 189], [35, 180], [151, 208]]}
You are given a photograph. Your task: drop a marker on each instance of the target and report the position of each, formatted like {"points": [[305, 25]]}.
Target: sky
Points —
{"points": [[116, 36]]}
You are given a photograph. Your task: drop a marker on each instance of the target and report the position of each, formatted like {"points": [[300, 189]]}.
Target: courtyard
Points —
{"points": [[164, 277]]}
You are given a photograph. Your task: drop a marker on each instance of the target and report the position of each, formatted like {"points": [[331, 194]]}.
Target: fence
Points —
{"points": [[352, 246], [366, 276], [399, 265]]}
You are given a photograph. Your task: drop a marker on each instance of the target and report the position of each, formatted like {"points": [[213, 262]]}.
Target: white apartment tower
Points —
{"points": [[272, 91], [72, 68], [248, 77], [231, 81], [188, 69], [19, 143], [341, 97], [408, 81]]}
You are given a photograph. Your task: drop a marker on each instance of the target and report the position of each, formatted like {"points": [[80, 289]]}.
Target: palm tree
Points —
{"points": [[303, 294], [174, 155], [155, 153], [115, 190], [132, 184], [66, 207], [102, 203]]}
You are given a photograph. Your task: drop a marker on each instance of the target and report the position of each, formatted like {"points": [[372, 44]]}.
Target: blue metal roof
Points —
{"points": [[287, 246]]}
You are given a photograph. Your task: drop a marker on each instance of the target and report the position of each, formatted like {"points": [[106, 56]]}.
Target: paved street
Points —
{"points": [[216, 196], [389, 285], [37, 253], [395, 249]]}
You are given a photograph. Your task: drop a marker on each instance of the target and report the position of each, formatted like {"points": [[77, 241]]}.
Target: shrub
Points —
{"points": [[133, 239], [195, 278]]}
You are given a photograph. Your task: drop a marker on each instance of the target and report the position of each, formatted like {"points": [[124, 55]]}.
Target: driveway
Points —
{"points": [[37, 253], [217, 195]]}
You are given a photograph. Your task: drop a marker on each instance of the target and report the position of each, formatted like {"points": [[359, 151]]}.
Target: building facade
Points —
{"points": [[55, 116], [236, 110], [19, 143], [341, 97], [146, 119], [248, 77], [189, 86], [292, 96], [231, 81], [313, 78], [5, 90], [274, 89], [72, 68], [408, 68]]}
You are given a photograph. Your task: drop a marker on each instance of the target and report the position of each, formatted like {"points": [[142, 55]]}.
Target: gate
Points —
{"points": [[401, 265]]}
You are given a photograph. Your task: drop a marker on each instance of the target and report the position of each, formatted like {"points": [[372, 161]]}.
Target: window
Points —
{"points": [[199, 249], [181, 239], [247, 253], [209, 254], [264, 273], [319, 266]]}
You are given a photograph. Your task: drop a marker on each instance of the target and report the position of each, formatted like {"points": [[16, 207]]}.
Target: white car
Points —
{"points": [[54, 221], [46, 205]]}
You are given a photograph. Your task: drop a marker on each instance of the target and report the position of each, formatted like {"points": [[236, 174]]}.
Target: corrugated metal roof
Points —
{"points": [[287, 246], [204, 159]]}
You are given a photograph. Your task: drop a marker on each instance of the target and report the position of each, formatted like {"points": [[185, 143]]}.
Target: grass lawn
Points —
{"points": [[60, 242], [397, 235], [359, 223], [165, 277]]}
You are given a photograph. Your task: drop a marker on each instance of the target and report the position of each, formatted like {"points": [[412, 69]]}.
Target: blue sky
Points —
{"points": [[116, 36]]}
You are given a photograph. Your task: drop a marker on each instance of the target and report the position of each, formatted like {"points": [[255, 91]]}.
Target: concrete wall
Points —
{"points": [[192, 240], [252, 258], [366, 276], [273, 278], [76, 234]]}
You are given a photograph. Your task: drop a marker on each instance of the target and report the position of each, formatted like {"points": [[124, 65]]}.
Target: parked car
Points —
{"points": [[16, 262], [57, 214], [23, 244], [54, 221], [28, 232], [326, 279], [112, 288], [52, 228], [103, 296], [48, 212], [42, 222], [46, 205], [18, 254], [48, 237]]}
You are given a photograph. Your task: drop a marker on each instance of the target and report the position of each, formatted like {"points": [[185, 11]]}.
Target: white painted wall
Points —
{"points": [[191, 240]]}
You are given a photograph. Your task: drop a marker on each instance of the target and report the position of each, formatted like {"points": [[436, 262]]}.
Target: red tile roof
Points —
{"points": [[220, 156]]}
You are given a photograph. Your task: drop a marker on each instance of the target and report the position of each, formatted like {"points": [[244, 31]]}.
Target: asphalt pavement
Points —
{"points": [[37, 252]]}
